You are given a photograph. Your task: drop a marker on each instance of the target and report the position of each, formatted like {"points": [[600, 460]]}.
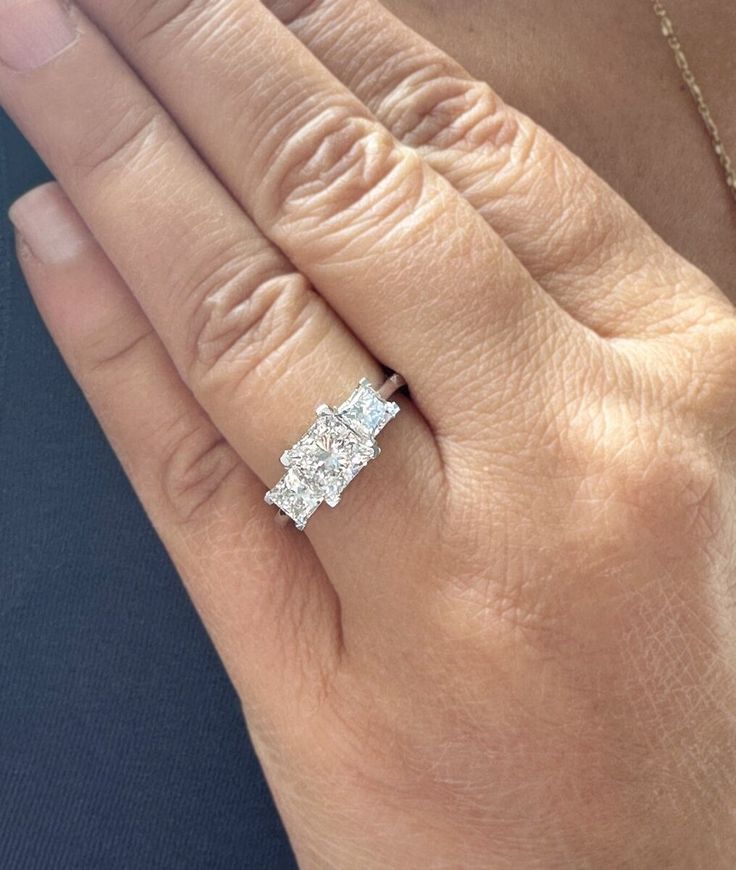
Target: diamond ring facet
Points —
{"points": [[336, 447]]}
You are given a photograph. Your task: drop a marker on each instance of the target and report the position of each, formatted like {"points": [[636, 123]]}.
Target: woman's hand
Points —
{"points": [[513, 643]]}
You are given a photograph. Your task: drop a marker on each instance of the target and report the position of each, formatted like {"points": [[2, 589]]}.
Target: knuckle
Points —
{"points": [[245, 320], [648, 489], [195, 465], [578, 236], [679, 500], [107, 353], [133, 136], [436, 108], [717, 337], [338, 163], [708, 371]]}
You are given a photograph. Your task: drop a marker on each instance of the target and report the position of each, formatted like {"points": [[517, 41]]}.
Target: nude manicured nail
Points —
{"points": [[32, 32], [49, 225]]}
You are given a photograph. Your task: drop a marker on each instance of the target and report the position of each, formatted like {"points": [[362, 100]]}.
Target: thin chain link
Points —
{"points": [[668, 31]]}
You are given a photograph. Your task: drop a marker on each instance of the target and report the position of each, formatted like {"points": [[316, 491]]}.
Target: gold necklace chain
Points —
{"points": [[668, 31]]}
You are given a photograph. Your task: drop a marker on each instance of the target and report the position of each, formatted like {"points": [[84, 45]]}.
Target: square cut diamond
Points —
{"points": [[295, 497], [366, 412], [329, 456], [331, 453]]}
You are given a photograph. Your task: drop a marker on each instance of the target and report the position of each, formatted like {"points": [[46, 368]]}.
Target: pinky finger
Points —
{"points": [[258, 588]]}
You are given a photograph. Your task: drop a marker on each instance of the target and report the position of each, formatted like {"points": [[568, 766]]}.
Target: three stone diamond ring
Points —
{"points": [[335, 448]]}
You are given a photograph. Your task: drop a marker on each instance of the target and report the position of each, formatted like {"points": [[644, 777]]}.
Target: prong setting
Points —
{"points": [[331, 453]]}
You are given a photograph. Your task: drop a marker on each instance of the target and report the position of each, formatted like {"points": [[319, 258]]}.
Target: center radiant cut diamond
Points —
{"points": [[333, 450], [365, 411], [329, 456]]}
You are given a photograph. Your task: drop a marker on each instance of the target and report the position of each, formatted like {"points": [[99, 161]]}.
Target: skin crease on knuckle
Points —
{"points": [[337, 173], [134, 136], [195, 466], [434, 110], [248, 321]]}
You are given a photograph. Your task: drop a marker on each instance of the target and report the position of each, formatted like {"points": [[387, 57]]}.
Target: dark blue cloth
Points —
{"points": [[122, 743]]}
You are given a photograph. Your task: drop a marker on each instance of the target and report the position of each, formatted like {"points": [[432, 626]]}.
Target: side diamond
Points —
{"points": [[296, 498], [365, 411]]}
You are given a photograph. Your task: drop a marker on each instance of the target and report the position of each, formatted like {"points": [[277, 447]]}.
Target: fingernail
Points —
{"points": [[49, 225], [32, 32]]}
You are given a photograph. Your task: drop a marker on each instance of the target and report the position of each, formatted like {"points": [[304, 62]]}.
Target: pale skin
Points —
{"points": [[512, 645]]}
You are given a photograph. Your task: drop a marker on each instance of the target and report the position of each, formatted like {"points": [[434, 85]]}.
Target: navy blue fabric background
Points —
{"points": [[122, 743]]}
